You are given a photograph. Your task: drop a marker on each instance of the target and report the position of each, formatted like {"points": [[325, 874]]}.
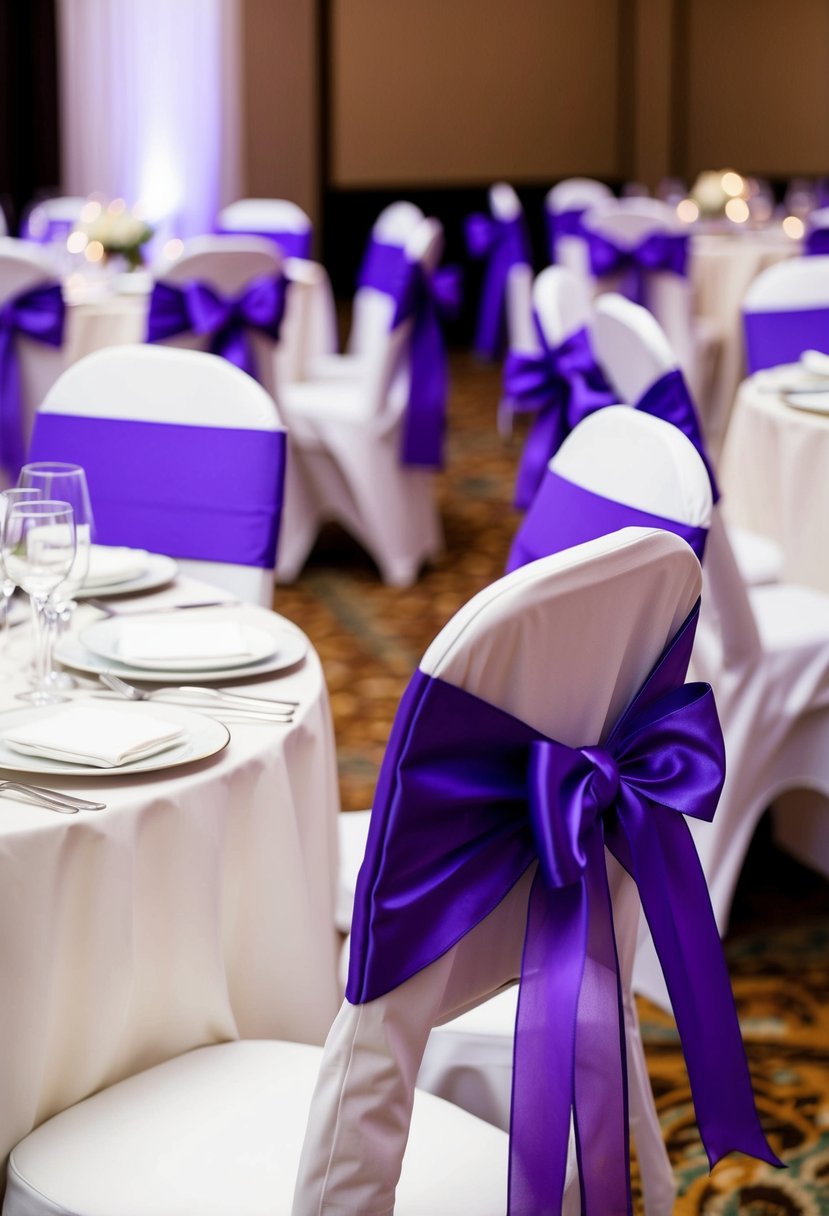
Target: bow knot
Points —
{"points": [[665, 252], [566, 802]]}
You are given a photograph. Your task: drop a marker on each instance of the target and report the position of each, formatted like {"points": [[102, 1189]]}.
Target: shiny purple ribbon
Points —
{"points": [[668, 398], [562, 223], [561, 386], [773, 338], [661, 252], [198, 308], [37, 314], [564, 514], [468, 798], [816, 243], [173, 503], [424, 299], [502, 244], [291, 244], [384, 268]]}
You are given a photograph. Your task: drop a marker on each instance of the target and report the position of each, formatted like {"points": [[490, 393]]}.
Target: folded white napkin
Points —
{"points": [[103, 738], [114, 564], [168, 640], [815, 362]]}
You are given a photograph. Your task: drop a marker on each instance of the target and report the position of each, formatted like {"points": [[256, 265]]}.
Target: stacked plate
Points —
{"points": [[115, 570], [810, 391]]}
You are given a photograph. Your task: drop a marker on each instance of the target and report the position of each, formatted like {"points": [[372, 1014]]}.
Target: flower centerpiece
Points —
{"points": [[720, 192], [114, 230]]}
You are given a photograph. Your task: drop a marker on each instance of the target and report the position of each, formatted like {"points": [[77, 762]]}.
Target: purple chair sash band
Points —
{"points": [[468, 798], [425, 299], [198, 308], [292, 244], [384, 268], [562, 223], [46, 231], [37, 314], [175, 505], [564, 514], [661, 252], [816, 243], [504, 244], [668, 398], [773, 338], [561, 386]]}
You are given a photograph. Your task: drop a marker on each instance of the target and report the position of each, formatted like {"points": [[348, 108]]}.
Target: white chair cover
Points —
{"points": [[154, 384], [574, 194], [623, 597], [797, 290], [635, 353], [346, 434]]}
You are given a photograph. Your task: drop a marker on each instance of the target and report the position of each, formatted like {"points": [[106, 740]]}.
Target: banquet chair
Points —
{"points": [[564, 206], [51, 220], [816, 240], [31, 345], [785, 312], [637, 246], [310, 324], [349, 436], [184, 455], [502, 242], [637, 357]]}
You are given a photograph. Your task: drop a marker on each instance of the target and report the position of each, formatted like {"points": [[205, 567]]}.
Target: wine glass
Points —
{"points": [[7, 585], [38, 548]]}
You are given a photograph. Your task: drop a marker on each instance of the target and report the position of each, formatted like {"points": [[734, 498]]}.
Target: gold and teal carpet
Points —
{"points": [[370, 639]]}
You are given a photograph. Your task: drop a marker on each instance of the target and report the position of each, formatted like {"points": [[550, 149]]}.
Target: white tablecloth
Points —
{"points": [[774, 475], [198, 907]]}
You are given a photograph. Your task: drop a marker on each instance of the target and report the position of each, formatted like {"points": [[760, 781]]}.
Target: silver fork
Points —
{"points": [[65, 804], [279, 711]]}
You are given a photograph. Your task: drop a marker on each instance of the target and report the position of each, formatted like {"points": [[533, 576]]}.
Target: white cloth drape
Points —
{"points": [[149, 96]]}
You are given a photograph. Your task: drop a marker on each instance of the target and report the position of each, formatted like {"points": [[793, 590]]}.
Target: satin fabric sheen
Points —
{"points": [[38, 314], [773, 338], [501, 244], [661, 252]]}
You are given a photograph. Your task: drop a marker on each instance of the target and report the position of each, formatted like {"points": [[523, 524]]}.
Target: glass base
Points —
{"points": [[39, 696]]}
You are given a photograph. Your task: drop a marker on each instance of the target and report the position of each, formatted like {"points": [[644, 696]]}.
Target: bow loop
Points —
{"points": [[480, 233]]}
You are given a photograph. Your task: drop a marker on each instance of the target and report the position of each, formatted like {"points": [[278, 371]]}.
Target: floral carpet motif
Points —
{"points": [[370, 639]]}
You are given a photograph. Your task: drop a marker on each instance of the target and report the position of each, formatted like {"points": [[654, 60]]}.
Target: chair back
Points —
{"points": [[272, 218], [505, 205], [50, 221], [816, 240], [191, 392], [630, 345], [370, 308], [561, 301], [564, 206], [786, 311]]}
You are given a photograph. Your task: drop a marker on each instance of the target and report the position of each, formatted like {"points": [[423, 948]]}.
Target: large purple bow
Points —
{"points": [[561, 386], [38, 314], [424, 298], [198, 308], [660, 252], [504, 244], [562, 223], [468, 798]]}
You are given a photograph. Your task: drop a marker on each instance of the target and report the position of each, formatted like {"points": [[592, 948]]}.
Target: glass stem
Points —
{"points": [[43, 641]]}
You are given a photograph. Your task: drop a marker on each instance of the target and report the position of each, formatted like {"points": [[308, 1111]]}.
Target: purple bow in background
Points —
{"points": [[292, 244], [562, 223], [816, 243], [662, 252], [198, 308], [503, 243], [561, 387], [668, 398], [424, 299], [37, 314], [468, 798], [384, 267]]}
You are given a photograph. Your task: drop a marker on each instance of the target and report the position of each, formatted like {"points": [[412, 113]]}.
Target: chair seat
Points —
{"points": [[337, 367], [218, 1131], [759, 559]]}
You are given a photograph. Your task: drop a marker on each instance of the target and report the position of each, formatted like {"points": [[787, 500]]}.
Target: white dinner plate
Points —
{"points": [[158, 571], [103, 639], [814, 403], [291, 648], [203, 737]]}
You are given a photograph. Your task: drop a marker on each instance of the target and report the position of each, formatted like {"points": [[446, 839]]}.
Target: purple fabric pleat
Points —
{"points": [[384, 268], [198, 308], [562, 223], [773, 338], [37, 314], [668, 398], [561, 386], [468, 798], [206, 493], [816, 243], [502, 244], [292, 244], [564, 514], [661, 252]]}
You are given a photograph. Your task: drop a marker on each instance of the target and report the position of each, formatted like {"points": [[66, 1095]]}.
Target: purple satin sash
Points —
{"points": [[468, 798], [198, 308], [816, 243], [46, 231], [773, 338], [222, 506], [384, 267], [562, 223], [504, 244], [661, 252], [292, 244], [561, 387], [564, 514], [38, 314], [424, 299], [668, 398]]}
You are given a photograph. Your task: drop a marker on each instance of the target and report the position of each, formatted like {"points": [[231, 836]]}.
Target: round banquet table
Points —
{"points": [[774, 473], [197, 908], [723, 265]]}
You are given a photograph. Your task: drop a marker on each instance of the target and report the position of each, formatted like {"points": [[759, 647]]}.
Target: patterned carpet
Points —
{"points": [[370, 639]]}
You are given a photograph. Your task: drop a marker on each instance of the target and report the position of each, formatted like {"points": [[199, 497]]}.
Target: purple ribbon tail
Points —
{"points": [[37, 314], [12, 452], [233, 344], [545, 437]]}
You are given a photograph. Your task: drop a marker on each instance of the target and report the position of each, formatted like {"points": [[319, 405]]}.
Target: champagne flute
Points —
{"points": [[7, 585], [38, 549]]}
